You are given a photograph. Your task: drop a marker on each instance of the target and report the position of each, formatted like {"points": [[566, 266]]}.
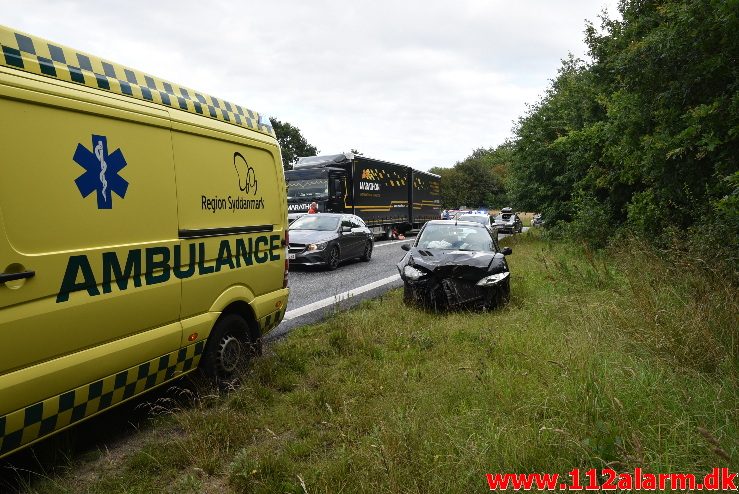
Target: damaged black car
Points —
{"points": [[455, 265]]}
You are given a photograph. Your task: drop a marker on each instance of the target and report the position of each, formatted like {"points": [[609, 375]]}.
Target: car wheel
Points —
{"points": [[502, 294], [333, 258], [227, 349], [367, 251]]}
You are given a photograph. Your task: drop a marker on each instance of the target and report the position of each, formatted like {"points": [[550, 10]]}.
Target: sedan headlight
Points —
{"points": [[493, 279], [320, 246], [413, 273]]}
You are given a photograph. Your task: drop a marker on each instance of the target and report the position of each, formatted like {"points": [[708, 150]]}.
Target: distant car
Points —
{"points": [[328, 239], [483, 219], [455, 265], [508, 222], [536, 221]]}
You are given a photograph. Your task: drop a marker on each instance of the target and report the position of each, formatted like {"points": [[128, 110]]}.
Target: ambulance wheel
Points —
{"points": [[333, 258], [228, 347], [367, 252]]}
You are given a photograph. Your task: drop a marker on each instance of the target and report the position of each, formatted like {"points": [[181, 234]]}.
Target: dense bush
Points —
{"points": [[644, 136], [478, 180]]}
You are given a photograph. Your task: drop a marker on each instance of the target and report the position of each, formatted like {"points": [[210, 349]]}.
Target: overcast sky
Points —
{"points": [[421, 83]]}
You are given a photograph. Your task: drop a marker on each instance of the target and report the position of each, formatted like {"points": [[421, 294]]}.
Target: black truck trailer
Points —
{"points": [[387, 196]]}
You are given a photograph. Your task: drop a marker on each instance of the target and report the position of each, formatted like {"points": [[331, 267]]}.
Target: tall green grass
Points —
{"points": [[623, 358]]}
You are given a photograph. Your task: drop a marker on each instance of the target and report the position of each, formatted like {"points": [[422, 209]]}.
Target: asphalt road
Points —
{"points": [[316, 293]]}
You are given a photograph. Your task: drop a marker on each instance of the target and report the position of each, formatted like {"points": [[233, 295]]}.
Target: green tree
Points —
{"points": [[646, 135], [476, 181], [555, 144], [292, 143]]}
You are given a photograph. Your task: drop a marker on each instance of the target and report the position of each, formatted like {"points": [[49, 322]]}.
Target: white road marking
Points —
{"points": [[391, 243], [307, 309]]}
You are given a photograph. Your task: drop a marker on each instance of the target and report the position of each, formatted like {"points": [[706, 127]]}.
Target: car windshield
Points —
{"points": [[505, 217], [316, 222], [477, 218], [456, 237], [304, 189]]}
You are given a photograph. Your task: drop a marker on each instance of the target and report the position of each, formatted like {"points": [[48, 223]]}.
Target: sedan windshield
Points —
{"points": [[450, 236], [307, 189], [316, 222]]}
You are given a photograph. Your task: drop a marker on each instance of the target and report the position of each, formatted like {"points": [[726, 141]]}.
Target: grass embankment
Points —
{"points": [[595, 362]]}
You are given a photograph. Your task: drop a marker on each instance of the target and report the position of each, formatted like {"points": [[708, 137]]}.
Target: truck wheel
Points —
{"points": [[228, 347], [389, 233], [333, 258], [367, 251]]}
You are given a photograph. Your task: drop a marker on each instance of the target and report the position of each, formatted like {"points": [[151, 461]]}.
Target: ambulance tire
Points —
{"points": [[228, 348]]}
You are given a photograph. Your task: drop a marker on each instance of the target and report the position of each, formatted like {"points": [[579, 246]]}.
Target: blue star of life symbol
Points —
{"points": [[101, 172]]}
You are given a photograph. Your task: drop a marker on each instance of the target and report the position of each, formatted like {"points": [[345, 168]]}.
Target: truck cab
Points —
{"points": [[325, 185]]}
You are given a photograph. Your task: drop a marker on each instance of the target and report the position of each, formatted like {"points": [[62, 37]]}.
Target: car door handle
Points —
{"points": [[4, 277]]}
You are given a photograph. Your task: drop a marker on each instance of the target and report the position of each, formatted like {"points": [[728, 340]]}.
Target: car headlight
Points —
{"points": [[320, 246], [493, 279], [412, 273]]}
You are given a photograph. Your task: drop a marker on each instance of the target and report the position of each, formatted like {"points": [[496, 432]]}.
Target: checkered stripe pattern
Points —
{"points": [[271, 321], [40, 419], [38, 56]]}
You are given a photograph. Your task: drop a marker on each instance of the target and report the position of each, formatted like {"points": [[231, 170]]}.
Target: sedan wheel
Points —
{"points": [[367, 251], [333, 258]]}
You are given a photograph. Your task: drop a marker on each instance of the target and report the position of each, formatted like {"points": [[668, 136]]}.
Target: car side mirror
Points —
{"points": [[406, 246], [357, 230], [507, 251], [346, 229]]}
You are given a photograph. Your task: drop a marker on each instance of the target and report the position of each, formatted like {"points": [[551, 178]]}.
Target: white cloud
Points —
{"points": [[421, 83]]}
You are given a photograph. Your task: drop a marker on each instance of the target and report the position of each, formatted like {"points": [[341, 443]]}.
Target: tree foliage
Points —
{"points": [[645, 135], [476, 181], [292, 143]]}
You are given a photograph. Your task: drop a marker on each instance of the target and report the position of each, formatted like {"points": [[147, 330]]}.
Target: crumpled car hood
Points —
{"points": [[468, 265]]}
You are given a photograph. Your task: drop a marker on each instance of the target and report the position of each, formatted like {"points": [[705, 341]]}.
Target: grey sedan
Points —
{"points": [[328, 239]]}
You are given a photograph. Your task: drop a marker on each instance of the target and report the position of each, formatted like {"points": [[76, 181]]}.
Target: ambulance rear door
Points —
{"points": [[87, 200]]}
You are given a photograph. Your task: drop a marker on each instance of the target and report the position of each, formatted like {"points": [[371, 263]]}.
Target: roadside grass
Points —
{"points": [[625, 359]]}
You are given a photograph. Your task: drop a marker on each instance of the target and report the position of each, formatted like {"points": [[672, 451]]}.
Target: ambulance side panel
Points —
{"points": [[231, 194], [66, 327]]}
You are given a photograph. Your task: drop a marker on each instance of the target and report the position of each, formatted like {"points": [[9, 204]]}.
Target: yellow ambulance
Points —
{"points": [[143, 228]]}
